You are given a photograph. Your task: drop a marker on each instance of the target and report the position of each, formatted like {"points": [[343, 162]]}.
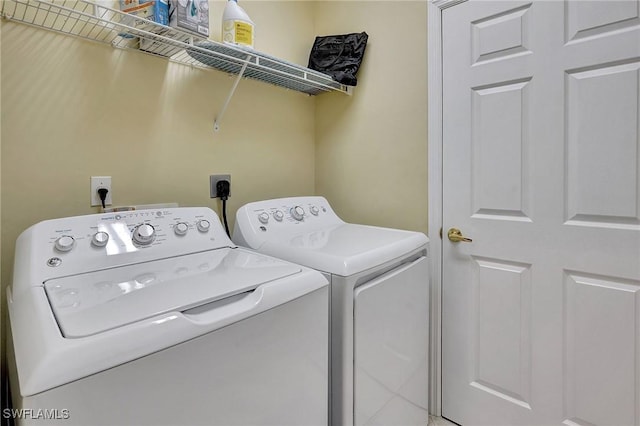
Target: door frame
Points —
{"points": [[435, 8]]}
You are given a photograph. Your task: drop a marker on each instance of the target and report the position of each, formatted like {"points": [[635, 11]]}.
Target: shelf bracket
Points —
{"points": [[216, 123]]}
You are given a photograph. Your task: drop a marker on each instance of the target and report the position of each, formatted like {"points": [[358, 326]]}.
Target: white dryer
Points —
{"points": [[155, 317], [379, 304]]}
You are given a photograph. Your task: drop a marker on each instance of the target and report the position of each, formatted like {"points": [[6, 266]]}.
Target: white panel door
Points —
{"points": [[541, 155]]}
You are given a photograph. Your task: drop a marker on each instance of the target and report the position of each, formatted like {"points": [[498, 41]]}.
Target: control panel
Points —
{"points": [[284, 216], [92, 242]]}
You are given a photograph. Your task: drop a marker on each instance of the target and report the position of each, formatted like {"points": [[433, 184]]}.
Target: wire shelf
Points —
{"points": [[93, 21]]}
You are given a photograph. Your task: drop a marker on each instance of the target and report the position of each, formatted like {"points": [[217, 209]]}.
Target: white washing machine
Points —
{"points": [[155, 317], [379, 304]]}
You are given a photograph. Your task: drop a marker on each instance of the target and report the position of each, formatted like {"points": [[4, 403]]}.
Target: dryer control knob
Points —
{"points": [[100, 239], [203, 225], [263, 218], [278, 215], [314, 210], [144, 234], [65, 243], [297, 212], [181, 228]]}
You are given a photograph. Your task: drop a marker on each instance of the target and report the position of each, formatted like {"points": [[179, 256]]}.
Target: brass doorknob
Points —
{"points": [[455, 236]]}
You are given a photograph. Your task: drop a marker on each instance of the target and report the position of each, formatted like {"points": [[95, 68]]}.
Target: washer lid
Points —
{"points": [[94, 302], [344, 249]]}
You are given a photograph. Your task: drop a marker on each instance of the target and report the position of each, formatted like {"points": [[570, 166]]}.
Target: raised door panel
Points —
{"points": [[501, 324], [500, 151], [585, 19], [601, 350], [500, 36], [603, 146]]}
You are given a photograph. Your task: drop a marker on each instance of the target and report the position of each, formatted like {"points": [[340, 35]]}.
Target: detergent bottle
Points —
{"points": [[237, 27]]}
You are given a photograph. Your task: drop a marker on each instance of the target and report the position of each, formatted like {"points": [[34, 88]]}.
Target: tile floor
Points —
{"points": [[439, 421]]}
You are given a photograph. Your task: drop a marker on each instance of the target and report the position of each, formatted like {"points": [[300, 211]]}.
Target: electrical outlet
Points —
{"points": [[98, 182], [213, 180]]}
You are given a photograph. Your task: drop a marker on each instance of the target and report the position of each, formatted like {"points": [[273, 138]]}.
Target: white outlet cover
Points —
{"points": [[98, 182]]}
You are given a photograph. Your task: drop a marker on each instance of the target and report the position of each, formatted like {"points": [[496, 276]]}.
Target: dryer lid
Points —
{"points": [[344, 249], [90, 303]]}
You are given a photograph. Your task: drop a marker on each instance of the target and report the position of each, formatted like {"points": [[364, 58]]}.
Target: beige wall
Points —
{"points": [[72, 109], [371, 149]]}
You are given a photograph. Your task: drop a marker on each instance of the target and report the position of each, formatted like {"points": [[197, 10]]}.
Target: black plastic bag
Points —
{"points": [[339, 56]]}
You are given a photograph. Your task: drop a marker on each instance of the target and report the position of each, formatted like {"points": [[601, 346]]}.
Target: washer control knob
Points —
{"points": [[100, 239], [65, 243], [278, 215], [297, 212], [181, 228], [263, 218], [144, 234], [314, 210], [203, 225]]}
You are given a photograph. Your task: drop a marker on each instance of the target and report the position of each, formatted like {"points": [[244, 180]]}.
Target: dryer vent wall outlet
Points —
{"points": [[213, 180], [98, 182]]}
